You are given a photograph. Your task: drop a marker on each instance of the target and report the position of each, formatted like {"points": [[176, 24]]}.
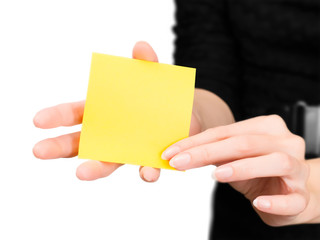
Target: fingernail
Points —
{"points": [[180, 161], [222, 173], [170, 152], [213, 173], [214, 176], [147, 177], [262, 203], [37, 120]]}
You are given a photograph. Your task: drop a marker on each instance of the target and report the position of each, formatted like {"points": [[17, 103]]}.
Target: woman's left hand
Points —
{"points": [[258, 157]]}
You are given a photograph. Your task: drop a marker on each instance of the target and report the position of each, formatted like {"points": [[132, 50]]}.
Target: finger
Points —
{"points": [[227, 150], [92, 170], [291, 204], [64, 146], [195, 127], [269, 125], [143, 51], [67, 114], [149, 174], [271, 165]]}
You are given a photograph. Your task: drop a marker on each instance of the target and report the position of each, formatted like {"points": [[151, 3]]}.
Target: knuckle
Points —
{"points": [[219, 132], [58, 111], [277, 121], [205, 154], [285, 161], [222, 132], [63, 111], [185, 143], [300, 142], [210, 131], [243, 144]]}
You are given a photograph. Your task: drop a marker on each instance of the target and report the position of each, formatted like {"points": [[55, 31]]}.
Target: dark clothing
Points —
{"points": [[253, 54]]}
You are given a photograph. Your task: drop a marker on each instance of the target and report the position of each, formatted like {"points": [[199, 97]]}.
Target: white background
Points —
{"points": [[45, 54]]}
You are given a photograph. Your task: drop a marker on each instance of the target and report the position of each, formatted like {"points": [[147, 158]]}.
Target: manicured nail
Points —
{"points": [[222, 173], [147, 177], [38, 119], [180, 161], [170, 152], [262, 203], [213, 175]]}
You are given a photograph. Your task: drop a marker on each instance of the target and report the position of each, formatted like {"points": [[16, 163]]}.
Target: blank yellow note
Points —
{"points": [[134, 110]]}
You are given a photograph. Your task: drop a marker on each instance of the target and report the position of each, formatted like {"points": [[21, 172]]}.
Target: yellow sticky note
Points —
{"points": [[134, 110]]}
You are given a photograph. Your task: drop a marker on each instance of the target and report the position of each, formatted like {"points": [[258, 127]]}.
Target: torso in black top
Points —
{"points": [[253, 54]]}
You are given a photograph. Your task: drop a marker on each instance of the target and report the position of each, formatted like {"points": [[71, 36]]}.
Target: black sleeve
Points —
{"points": [[204, 41]]}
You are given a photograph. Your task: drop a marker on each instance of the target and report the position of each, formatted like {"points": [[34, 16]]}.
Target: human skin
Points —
{"points": [[258, 157]]}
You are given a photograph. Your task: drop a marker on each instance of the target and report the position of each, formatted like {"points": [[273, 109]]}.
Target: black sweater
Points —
{"points": [[253, 54]]}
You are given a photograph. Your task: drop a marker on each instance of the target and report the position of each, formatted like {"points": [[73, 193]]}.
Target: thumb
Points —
{"points": [[143, 51]]}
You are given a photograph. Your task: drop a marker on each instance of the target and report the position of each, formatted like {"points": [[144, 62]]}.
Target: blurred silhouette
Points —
{"points": [[261, 57]]}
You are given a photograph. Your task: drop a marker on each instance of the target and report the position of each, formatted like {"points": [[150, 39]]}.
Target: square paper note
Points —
{"points": [[134, 110]]}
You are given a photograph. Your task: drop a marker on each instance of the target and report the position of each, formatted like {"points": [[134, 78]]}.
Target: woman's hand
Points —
{"points": [[70, 114], [258, 157]]}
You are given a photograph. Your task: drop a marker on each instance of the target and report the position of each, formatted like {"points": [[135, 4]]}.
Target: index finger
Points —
{"points": [[268, 125]]}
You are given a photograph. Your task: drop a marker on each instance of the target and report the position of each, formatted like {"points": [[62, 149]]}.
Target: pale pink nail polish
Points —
{"points": [[263, 203], [222, 173], [181, 161], [170, 152], [147, 177]]}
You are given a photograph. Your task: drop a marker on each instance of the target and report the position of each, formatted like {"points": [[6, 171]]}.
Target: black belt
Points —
{"points": [[301, 119]]}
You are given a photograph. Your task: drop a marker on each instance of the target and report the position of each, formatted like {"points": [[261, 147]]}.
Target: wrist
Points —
{"points": [[211, 110], [314, 187], [315, 218], [311, 214]]}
